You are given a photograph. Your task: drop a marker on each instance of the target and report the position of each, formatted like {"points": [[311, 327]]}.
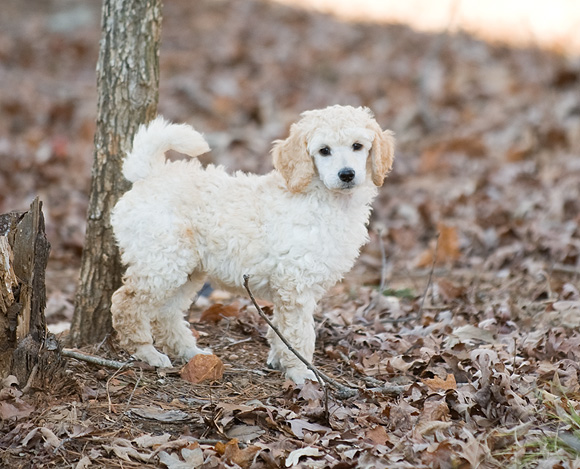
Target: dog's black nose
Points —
{"points": [[346, 174]]}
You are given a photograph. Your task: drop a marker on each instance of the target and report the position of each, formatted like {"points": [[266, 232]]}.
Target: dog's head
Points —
{"points": [[335, 143]]}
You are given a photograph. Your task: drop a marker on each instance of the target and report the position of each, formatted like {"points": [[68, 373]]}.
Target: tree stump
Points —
{"points": [[24, 345]]}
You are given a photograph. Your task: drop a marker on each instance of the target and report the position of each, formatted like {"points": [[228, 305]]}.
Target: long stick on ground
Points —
{"points": [[94, 360]]}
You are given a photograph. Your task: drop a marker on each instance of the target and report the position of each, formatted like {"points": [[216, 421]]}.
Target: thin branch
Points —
{"points": [[237, 342], [117, 371], [95, 360], [134, 389], [374, 301], [383, 261], [567, 269], [26, 388], [420, 313]]}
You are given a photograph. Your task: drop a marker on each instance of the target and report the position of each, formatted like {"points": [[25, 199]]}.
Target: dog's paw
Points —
{"points": [[149, 354], [191, 352], [273, 361], [299, 375]]}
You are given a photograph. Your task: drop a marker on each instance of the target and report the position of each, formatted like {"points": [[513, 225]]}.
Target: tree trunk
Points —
{"points": [[23, 257], [127, 84]]}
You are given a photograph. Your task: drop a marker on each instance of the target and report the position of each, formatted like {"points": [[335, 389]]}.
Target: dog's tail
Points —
{"points": [[153, 140]]}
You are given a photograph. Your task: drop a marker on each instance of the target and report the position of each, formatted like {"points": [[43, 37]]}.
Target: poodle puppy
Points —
{"points": [[296, 230]]}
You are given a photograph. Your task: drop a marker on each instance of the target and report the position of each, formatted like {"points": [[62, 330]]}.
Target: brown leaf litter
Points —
{"points": [[484, 348]]}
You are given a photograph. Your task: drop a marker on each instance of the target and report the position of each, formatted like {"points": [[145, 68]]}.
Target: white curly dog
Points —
{"points": [[296, 230]]}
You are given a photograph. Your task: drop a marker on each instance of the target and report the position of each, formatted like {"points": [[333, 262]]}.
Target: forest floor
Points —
{"points": [[475, 328]]}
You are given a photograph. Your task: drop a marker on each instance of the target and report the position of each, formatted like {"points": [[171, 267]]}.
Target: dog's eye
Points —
{"points": [[324, 151], [357, 146]]}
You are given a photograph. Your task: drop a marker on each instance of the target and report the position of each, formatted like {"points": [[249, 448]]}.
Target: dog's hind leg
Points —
{"points": [[131, 313], [172, 331]]}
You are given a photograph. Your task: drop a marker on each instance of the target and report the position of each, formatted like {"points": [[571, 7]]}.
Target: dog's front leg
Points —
{"points": [[295, 321]]}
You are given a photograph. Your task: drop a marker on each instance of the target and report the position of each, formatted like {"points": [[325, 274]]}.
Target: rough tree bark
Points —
{"points": [[24, 253], [127, 85]]}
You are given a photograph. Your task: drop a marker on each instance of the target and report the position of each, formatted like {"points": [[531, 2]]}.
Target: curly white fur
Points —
{"points": [[296, 230]]}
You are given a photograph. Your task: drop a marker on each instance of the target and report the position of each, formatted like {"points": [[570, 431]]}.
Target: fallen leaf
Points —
{"points": [[203, 367], [9, 381], [448, 290], [151, 441], [192, 458], [244, 433], [311, 391], [124, 450], [15, 409], [298, 426], [216, 312], [438, 384], [84, 463], [294, 457], [50, 439], [430, 427], [378, 435], [9, 393], [447, 248], [469, 334], [434, 410], [155, 413], [233, 454]]}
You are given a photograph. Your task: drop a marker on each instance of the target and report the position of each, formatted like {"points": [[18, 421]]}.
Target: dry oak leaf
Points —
{"points": [[448, 249], [294, 457], [202, 367], [233, 454], [161, 415], [50, 439], [17, 408], [378, 435], [448, 290], [215, 313], [191, 458], [298, 426], [438, 384]]}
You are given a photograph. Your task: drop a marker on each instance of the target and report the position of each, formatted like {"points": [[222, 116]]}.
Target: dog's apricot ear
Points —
{"points": [[292, 160], [382, 154]]}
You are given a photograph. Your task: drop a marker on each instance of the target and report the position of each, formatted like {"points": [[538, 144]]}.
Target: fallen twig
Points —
{"points": [[95, 360], [117, 371], [567, 269], [134, 389], [383, 261], [236, 343], [420, 313], [26, 388], [374, 301]]}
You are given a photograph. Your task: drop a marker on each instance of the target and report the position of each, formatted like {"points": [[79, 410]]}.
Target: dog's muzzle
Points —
{"points": [[346, 174]]}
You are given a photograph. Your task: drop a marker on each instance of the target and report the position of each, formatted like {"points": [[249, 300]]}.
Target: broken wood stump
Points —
{"points": [[25, 347]]}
